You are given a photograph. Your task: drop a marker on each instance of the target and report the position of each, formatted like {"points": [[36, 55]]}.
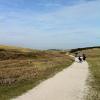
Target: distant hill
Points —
{"points": [[85, 48], [10, 52]]}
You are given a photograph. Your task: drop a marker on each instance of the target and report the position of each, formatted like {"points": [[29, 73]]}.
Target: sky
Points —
{"points": [[50, 24]]}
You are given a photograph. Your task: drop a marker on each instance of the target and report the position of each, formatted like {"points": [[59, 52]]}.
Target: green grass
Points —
{"points": [[94, 80], [94, 92], [20, 71]]}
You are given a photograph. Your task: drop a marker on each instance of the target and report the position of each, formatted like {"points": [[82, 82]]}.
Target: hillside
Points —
{"points": [[21, 69]]}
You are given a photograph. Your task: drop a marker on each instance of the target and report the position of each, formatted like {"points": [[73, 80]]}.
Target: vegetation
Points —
{"points": [[22, 69], [81, 49], [94, 79]]}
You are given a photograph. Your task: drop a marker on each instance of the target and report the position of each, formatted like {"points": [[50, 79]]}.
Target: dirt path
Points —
{"points": [[66, 85]]}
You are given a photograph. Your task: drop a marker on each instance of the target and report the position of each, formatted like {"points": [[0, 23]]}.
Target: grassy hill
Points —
{"points": [[21, 69]]}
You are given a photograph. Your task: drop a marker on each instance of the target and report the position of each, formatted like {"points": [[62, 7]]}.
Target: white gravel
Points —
{"points": [[68, 84]]}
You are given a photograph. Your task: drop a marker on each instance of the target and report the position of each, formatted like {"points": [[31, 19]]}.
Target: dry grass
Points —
{"points": [[22, 69], [94, 79]]}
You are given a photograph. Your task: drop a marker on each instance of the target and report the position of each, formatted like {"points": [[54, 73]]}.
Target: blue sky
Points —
{"points": [[48, 24]]}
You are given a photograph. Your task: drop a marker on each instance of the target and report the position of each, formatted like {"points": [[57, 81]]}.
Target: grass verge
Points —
{"points": [[10, 91], [94, 80]]}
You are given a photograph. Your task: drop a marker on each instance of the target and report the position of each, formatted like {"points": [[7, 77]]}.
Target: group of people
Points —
{"points": [[80, 58]]}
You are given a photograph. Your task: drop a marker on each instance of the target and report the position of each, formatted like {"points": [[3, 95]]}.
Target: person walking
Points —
{"points": [[80, 59], [84, 57], [76, 57]]}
